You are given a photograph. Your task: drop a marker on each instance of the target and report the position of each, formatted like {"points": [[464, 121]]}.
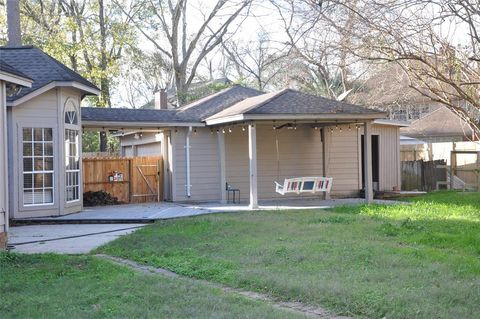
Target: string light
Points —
{"points": [[243, 128], [229, 130], [223, 130]]}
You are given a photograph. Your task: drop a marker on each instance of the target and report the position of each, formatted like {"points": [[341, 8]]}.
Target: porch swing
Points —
{"points": [[298, 185]]}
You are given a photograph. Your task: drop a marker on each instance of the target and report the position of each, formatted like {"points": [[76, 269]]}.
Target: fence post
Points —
{"points": [[453, 163]]}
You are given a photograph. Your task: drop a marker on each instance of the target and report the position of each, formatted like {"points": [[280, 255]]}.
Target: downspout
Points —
{"points": [[187, 162]]}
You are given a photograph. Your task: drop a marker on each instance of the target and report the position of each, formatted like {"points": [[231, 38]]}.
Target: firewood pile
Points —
{"points": [[99, 198]]}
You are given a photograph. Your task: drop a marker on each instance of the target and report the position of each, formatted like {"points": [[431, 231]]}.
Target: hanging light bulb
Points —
{"points": [[229, 130], [340, 128], [211, 131], [195, 131], [349, 127], [243, 128], [223, 130]]}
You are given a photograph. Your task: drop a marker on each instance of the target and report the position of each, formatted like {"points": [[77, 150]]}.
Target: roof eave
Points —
{"points": [[295, 117], [15, 79], [137, 125], [79, 86]]}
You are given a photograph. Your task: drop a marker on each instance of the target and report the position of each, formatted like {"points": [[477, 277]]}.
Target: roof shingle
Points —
{"points": [[40, 67]]}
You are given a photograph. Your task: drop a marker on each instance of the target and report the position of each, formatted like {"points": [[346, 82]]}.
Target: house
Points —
{"points": [[440, 132], [43, 135], [250, 139], [12, 82]]}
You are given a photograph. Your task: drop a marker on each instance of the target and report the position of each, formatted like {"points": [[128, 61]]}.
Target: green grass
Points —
{"points": [[405, 261], [54, 286]]}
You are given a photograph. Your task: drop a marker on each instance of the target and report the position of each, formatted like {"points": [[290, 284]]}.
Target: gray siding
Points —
{"points": [[205, 171], [45, 110]]}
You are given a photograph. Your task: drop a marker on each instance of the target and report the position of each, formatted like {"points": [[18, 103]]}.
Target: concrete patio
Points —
{"points": [[82, 232], [65, 239], [149, 212]]}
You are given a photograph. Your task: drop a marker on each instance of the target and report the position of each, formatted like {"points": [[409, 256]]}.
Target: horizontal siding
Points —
{"points": [[300, 154], [204, 167], [389, 156], [343, 160]]}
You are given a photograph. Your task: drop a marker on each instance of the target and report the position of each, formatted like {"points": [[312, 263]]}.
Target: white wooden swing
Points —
{"points": [[300, 185]]}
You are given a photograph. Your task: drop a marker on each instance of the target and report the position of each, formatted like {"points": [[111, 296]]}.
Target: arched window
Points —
{"points": [[71, 116], [72, 153]]}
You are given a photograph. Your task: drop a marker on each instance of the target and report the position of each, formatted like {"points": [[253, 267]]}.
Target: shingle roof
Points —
{"points": [[5, 67], [40, 67], [290, 101], [194, 112], [212, 104], [101, 114], [440, 123]]}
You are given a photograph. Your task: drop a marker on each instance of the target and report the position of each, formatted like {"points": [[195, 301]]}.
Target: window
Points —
{"points": [[72, 166], [37, 166], [72, 154]]}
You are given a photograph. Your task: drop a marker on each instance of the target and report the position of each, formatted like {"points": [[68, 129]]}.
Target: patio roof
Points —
{"points": [[293, 105], [233, 105]]}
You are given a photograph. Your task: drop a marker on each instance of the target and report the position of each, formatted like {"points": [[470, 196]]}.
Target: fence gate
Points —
{"points": [[147, 180], [130, 179]]}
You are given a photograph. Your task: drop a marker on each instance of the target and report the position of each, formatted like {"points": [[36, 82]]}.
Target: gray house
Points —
{"points": [[43, 133], [250, 139], [12, 82]]}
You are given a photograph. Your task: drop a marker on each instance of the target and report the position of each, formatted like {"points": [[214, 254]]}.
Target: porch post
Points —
{"points": [[367, 162], [324, 158], [221, 165], [252, 155]]}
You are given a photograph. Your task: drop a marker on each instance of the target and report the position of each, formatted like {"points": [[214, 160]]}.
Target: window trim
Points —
{"points": [[23, 172]]}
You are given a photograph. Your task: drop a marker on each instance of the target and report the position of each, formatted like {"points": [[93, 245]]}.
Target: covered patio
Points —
{"points": [[290, 134]]}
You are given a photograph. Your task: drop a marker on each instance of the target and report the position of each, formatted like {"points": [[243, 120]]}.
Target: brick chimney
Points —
{"points": [[161, 100], [13, 23]]}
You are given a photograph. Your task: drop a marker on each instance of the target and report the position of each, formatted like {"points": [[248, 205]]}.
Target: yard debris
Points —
{"points": [[99, 198]]}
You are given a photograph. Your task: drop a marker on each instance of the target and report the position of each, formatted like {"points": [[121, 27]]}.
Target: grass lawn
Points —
{"points": [[404, 261], [54, 286]]}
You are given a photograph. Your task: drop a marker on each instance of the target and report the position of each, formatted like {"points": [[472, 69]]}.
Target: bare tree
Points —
{"points": [[259, 59], [319, 32], [419, 35], [165, 24]]}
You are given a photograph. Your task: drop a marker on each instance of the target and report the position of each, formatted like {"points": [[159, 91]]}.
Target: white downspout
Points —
{"points": [[188, 185]]}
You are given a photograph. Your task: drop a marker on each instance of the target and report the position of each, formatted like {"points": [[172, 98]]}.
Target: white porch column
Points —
{"points": [[252, 155], [222, 165], [367, 162], [324, 158]]}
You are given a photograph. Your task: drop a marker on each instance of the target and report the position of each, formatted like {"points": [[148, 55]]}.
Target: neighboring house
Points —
{"points": [[439, 132], [12, 82], [44, 135], [249, 139]]}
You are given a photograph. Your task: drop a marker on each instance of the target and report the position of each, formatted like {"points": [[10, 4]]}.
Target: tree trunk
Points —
{"points": [[103, 141]]}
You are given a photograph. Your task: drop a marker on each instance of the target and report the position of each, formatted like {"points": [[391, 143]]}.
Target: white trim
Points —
{"points": [[16, 79], [391, 122], [297, 117], [50, 86]]}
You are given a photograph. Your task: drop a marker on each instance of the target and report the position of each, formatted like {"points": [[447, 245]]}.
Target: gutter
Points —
{"points": [[188, 185]]}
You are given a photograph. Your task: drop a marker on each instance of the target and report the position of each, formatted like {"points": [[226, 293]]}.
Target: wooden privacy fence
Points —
{"points": [[424, 175], [130, 179]]}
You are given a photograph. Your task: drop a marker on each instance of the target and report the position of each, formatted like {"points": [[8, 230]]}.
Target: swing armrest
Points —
{"points": [[279, 188]]}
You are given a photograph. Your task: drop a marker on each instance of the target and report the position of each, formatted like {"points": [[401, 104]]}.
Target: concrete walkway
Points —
{"points": [[65, 239]]}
